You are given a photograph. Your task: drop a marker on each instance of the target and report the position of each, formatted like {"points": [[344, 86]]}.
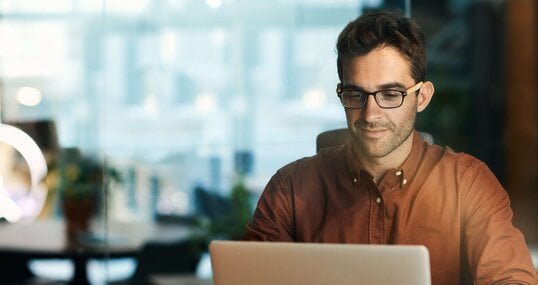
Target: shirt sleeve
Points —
{"points": [[496, 250], [273, 219]]}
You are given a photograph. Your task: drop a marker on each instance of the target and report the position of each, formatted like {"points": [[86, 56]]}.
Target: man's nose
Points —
{"points": [[371, 110]]}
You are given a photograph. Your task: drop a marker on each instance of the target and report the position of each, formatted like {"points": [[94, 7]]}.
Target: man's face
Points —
{"points": [[378, 132]]}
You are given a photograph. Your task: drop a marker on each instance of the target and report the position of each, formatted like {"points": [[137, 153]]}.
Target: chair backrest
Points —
{"points": [[341, 136]]}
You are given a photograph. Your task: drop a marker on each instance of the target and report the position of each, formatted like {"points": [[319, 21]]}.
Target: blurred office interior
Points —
{"points": [[175, 101]]}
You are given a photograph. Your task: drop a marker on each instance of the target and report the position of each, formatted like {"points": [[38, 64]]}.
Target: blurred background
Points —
{"points": [[179, 111]]}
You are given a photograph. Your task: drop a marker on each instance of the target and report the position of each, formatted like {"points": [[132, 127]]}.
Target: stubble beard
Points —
{"points": [[379, 148]]}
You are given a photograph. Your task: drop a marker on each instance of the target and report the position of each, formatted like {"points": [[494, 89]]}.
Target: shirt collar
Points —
{"points": [[394, 177], [408, 170]]}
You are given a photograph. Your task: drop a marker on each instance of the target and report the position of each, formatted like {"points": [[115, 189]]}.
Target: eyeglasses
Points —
{"points": [[387, 99]]}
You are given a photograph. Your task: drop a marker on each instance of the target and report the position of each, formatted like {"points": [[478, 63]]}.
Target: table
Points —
{"points": [[47, 239]]}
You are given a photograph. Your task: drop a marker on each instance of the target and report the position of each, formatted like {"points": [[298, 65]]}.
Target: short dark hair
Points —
{"points": [[383, 28]]}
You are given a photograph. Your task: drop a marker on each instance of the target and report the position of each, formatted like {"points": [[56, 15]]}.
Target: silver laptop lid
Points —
{"points": [[278, 263]]}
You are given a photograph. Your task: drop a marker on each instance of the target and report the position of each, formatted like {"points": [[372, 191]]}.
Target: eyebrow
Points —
{"points": [[385, 86]]}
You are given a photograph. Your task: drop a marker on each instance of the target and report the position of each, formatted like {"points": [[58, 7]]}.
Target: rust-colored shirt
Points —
{"points": [[450, 202]]}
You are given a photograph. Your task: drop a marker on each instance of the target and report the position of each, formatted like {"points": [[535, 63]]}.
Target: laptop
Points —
{"points": [[280, 263]]}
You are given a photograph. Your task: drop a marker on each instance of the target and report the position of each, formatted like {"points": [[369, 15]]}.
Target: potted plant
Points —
{"points": [[228, 217], [78, 181]]}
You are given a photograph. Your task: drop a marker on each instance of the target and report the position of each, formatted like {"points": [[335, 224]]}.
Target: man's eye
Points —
{"points": [[390, 95], [354, 95]]}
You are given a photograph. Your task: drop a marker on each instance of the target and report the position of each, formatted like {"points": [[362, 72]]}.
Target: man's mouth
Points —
{"points": [[373, 133]]}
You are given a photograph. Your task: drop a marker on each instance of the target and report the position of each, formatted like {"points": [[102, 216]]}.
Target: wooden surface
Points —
{"points": [[521, 93]]}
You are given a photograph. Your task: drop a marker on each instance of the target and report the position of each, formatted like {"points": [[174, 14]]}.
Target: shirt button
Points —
{"points": [[378, 200], [354, 180]]}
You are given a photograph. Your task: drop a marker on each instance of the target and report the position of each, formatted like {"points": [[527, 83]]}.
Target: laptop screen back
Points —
{"points": [[278, 263]]}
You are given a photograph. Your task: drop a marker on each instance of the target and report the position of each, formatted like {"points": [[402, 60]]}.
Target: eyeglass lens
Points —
{"points": [[385, 99]]}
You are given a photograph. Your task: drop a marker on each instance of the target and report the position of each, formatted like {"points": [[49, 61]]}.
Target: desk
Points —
{"points": [[47, 239]]}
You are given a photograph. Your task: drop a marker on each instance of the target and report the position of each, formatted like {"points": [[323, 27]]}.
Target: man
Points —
{"points": [[388, 186]]}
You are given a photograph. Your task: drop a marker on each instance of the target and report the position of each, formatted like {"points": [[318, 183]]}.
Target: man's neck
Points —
{"points": [[378, 166]]}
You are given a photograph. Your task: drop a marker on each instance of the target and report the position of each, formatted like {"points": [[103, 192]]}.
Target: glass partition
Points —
{"points": [[168, 114]]}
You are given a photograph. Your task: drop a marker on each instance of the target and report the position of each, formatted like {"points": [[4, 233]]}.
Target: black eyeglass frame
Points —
{"points": [[340, 90]]}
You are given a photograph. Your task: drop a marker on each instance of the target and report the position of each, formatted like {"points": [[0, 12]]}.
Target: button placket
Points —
{"points": [[377, 219], [403, 180]]}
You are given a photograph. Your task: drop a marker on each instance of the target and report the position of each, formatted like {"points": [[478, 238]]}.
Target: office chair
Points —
{"points": [[341, 136]]}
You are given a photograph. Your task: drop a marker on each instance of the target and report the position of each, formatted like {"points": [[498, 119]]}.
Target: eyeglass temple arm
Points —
{"points": [[414, 88]]}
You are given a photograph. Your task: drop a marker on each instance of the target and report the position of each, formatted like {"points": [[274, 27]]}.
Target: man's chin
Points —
{"points": [[376, 153], [373, 148]]}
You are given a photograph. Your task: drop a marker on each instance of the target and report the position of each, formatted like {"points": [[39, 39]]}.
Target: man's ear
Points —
{"points": [[425, 95]]}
